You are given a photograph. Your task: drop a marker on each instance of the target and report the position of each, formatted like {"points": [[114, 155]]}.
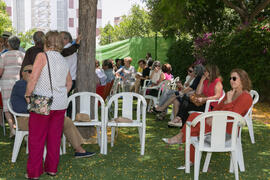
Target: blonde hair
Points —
{"points": [[53, 41]]}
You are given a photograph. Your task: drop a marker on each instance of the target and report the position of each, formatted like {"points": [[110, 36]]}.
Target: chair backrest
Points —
{"points": [[81, 103], [207, 105], [163, 87], [220, 120], [114, 88], [14, 114], [127, 102], [173, 83], [255, 97]]}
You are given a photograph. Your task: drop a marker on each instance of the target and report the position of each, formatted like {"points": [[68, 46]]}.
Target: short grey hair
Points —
{"points": [[199, 70], [155, 64], [14, 42], [67, 35]]}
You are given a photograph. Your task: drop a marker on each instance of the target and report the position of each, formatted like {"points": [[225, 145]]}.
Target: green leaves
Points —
{"points": [[5, 22]]}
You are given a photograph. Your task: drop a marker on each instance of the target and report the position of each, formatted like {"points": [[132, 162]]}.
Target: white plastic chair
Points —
{"points": [[218, 141], [81, 103], [248, 116], [19, 134], [114, 87], [173, 83], [127, 111], [162, 88]]}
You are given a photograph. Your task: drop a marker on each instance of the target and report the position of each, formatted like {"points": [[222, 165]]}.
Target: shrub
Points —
{"points": [[248, 49], [180, 56]]}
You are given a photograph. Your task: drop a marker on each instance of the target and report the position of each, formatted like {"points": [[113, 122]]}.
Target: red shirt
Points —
{"points": [[240, 105]]}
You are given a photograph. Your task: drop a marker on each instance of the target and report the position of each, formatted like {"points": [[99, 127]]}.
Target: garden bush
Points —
{"points": [[247, 49], [180, 56]]}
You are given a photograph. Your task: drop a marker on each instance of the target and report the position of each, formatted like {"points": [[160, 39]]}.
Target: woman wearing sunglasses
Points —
{"points": [[236, 100], [210, 86]]}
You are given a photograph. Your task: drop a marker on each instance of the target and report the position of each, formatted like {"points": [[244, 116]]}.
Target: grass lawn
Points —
{"points": [[159, 162]]}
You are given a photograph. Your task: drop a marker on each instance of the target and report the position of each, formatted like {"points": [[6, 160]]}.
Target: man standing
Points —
{"points": [[71, 59]]}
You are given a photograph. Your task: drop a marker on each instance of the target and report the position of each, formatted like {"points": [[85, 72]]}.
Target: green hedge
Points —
{"points": [[248, 49], [180, 57]]}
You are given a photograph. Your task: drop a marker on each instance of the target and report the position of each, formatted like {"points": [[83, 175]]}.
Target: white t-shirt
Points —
{"points": [[72, 63]]}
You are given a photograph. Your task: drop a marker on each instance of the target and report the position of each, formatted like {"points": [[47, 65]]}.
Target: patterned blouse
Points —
{"points": [[59, 71]]}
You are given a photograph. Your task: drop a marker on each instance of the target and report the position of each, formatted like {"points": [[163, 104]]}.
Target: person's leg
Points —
{"points": [[167, 103], [23, 123], [73, 135], [9, 119], [176, 105], [38, 127], [55, 129]]}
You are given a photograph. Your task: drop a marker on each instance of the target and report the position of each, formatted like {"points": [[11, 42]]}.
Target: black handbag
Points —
{"points": [[41, 104]]}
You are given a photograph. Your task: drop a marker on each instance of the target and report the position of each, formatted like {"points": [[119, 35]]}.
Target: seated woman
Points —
{"points": [[176, 97], [127, 74], [156, 77], [236, 100], [209, 86], [167, 70]]}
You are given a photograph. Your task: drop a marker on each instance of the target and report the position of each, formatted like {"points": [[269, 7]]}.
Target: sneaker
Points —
{"points": [[83, 155]]}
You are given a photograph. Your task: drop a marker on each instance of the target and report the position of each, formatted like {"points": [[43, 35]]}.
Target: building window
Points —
{"points": [[71, 22], [99, 13], [9, 12], [71, 4], [62, 15]]}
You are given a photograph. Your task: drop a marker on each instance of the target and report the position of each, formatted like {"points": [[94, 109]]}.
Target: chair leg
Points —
{"points": [[240, 157], [105, 137], [234, 159], [112, 136], [98, 136], [207, 161], [140, 134], [142, 140], [250, 130], [16, 146], [197, 164], [64, 144]]}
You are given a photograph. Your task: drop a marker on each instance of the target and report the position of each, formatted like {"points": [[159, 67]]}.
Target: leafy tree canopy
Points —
{"points": [[172, 17], [5, 22], [136, 24]]}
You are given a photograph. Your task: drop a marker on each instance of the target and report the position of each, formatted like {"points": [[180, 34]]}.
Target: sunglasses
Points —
{"points": [[29, 71], [190, 71], [233, 78]]}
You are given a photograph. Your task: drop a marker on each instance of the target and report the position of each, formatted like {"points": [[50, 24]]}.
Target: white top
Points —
{"points": [[156, 76], [187, 79], [72, 63], [59, 71], [101, 76]]}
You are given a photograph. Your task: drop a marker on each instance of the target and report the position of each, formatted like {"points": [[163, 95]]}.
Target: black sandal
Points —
{"points": [[155, 110]]}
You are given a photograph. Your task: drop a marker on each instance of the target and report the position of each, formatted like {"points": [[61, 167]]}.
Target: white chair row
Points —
{"points": [[100, 118], [81, 103]]}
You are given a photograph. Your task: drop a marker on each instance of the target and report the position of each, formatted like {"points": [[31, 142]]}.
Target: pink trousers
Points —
{"points": [[44, 130]]}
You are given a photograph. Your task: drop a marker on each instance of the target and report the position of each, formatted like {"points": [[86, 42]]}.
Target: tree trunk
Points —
{"points": [[86, 80]]}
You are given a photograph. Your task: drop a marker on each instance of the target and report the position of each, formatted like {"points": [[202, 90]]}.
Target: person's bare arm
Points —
{"points": [[68, 82], [39, 63]]}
